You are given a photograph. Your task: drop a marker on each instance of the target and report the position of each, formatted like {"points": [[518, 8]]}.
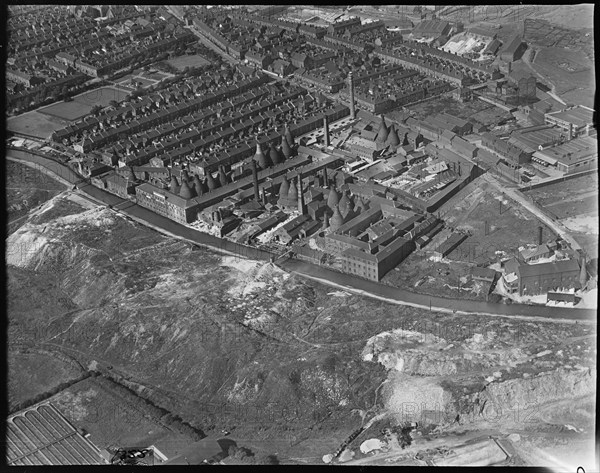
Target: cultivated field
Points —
{"points": [[34, 124], [182, 62]]}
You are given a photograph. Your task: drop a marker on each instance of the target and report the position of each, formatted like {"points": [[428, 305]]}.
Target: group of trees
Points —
{"points": [[149, 409], [245, 456]]}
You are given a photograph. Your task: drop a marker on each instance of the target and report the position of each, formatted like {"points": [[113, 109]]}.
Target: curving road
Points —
{"points": [[307, 270]]}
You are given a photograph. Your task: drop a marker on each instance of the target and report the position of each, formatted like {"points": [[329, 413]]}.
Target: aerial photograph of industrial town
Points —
{"points": [[301, 235]]}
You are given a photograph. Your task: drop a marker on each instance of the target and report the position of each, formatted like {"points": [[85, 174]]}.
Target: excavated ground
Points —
{"points": [[287, 366]]}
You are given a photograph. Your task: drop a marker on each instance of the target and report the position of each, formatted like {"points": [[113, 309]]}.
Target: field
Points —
{"points": [[448, 105], [570, 71], [43, 373], [508, 225], [575, 203], [34, 124], [67, 110], [102, 96], [182, 62], [110, 419]]}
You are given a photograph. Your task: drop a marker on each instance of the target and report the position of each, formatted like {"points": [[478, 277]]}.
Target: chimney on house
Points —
{"points": [[326, 130], [540, 235], [255, 179], [351, 87]]}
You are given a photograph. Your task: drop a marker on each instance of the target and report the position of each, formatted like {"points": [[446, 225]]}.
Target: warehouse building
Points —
{"points": [[575, 121], [580, 154]]}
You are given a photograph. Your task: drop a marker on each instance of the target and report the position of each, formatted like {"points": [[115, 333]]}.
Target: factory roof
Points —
{"points": [[579, 115], [544, 269], [573, 151]]}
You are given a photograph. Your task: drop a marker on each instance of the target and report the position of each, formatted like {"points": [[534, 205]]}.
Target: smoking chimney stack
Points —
{"points": [[351, 87]]}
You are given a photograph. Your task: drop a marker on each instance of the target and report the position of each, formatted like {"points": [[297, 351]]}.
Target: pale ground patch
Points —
{"points": [[266, 237], [583, 224]]}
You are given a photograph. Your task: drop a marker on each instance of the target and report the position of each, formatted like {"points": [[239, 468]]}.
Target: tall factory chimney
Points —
{"points": [[255, 179], [300, 195], [325, 181], [351, 87], [326, 130], [570, 132], [540, 235], [583, 272]]}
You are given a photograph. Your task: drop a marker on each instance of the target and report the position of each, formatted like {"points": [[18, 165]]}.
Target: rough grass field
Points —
{"points": [[448, 105], [43, 374], [570, 71], [575, 203], [102, 96], [182, 62], [110, 419], [569, 198], [35, 124], [67, 110]]}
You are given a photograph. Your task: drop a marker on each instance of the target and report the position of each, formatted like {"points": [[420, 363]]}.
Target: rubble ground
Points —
{"points": [[227, 343]]}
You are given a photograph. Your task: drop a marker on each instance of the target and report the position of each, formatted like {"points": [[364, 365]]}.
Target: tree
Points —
{"points": [[95, 110], [113, 103]]}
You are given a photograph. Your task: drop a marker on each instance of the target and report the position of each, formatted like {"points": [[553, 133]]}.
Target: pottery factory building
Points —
{"points": [[377, 240], [533, 279]]}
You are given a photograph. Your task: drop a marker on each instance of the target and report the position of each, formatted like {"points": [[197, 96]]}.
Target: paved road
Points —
{"points": [[310, 271]]}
